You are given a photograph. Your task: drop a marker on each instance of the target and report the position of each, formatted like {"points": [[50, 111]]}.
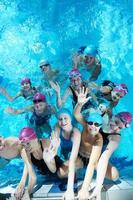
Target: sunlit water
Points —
{"points": [[53, 30]]}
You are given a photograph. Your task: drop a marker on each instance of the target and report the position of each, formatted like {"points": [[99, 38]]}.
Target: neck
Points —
{"points": [[68, 130]]}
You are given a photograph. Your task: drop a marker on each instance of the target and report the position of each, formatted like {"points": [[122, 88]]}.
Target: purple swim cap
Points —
{"points": [[122, 89], [27, 134], [74, 73], [38, 97], [125, 117], [25, 80]]}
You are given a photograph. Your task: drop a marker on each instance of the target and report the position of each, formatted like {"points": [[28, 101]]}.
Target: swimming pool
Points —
{"points": [[35, 30]]}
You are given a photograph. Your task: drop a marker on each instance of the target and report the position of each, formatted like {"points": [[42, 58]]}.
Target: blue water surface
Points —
{"points": [[53, 30]]}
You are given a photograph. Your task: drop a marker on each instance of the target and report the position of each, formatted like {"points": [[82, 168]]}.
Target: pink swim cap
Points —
{"points": [[38, 97], [74, 73], [27, 134], [25, 80], [122, 89], [125, 117]]}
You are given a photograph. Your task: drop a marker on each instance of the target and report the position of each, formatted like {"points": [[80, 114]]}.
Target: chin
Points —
{"points": [[64, 127]]}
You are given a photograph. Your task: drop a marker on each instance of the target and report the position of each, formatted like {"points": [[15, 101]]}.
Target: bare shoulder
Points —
{"points": [[76, 132], [12, 139]]}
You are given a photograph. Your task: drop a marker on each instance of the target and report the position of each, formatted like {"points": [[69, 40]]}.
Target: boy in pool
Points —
{"points": [[11, 148], [87, 57], [27, 91], [41, 113], [111, 134], [47, 71]]}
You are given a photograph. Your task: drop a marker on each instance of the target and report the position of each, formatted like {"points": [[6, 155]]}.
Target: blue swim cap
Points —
{"points": [[90, 50], [64, 111], [94, 117]]}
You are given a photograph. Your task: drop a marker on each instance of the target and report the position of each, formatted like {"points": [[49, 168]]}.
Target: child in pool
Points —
{"points": [[27, 91], [111, 136], [41, 113], [11, 148], [87, 57], [69, 137], [47, 71], [76, 83], [109, 91]]}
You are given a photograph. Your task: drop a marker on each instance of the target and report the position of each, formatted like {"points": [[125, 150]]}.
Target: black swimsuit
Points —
{"points": [[75, 99], [40, 164], [106, 135]]}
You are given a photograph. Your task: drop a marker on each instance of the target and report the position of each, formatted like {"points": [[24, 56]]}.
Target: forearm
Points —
{"points": [[6, 94], [88, 176], [58, 100], [77, 111], [104, 159], [101, 169], [32, 181], [96, 72], [71, 175], [14, 111], [24, 176]]}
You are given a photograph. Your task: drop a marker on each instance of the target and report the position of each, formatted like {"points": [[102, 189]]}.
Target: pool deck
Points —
{"points": [[120, 190]]}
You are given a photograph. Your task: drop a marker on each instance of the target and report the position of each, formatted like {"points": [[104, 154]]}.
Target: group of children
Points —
{"points": [[67, 148]]}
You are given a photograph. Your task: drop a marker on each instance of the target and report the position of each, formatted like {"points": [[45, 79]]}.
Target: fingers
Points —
{"points": [[57, 84], [88, 98]]}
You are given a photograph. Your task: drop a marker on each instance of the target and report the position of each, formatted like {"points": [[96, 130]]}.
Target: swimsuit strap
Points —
{"points": [[69, 136], [41, 145]]}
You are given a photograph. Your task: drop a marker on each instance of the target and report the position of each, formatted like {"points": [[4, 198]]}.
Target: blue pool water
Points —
{"points": [[53, 30]]}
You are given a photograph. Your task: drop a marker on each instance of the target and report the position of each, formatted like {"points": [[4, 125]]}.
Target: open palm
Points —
{"points": [[55, 86], [82, 95]]}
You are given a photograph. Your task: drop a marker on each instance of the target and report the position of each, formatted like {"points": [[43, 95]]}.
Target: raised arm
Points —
{"points": [[74, 153], [82, 99], [8, 96], [56, 87], [51, 149]]}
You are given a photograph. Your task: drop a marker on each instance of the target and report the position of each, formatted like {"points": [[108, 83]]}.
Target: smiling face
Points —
{"points": [[26, 86], [64, 121], [93, 128]]}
